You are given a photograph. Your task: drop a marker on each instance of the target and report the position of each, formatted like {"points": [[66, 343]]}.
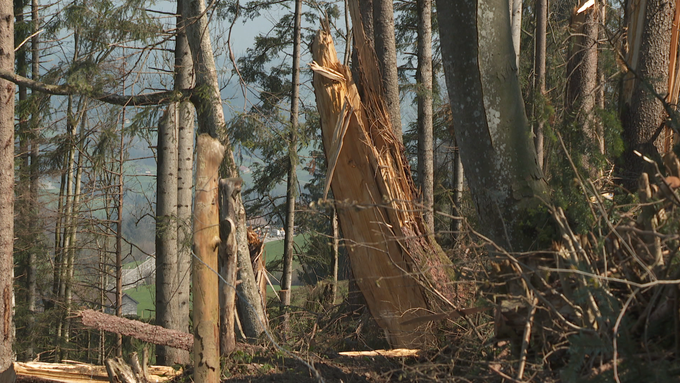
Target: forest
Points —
{"points": [[339, 191]]}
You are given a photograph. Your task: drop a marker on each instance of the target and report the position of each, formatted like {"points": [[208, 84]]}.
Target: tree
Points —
{"points": [[173, 207], [425, 135], [491, 127], [6, 192], [386, 49], [291, 189], [539, 70], [516, 27], [166, 231], [645, 84], [582, 85]]}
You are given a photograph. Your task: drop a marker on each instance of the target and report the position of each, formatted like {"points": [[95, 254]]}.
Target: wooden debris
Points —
{"points": [[394, 353], [75, 372], [136, 329]]}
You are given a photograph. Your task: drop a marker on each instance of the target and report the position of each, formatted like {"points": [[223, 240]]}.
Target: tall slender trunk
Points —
{"points": [[119, 230], [166, 230], [6, 193], [515, 7], [71, 121], [386, 49], [71, 252], [582, 83], [291, 190], [336, 253], [35, 184], [539, 78], [425, 135], [184, 79], [457, 186]]}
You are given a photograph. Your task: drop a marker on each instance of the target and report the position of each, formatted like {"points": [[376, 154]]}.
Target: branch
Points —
{"points": [[157, 98]]}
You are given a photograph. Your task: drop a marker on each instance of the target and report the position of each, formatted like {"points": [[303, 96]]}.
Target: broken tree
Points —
{"points": [[401, 271]]}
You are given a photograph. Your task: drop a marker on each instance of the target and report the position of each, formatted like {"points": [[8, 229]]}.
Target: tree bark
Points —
{"points": [[516, 28], [642, 112], [210, 116], [491, 128], [291, 187], [136, 329], [457, 186], [205, 282], [6, 193], [228, 190], [167, 281], [425, 135], [386, 49], [539, 79], [184, 79], [582, 83]]}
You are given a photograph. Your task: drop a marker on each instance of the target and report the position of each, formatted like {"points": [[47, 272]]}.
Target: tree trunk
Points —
{"points": [[425, 137], [491, 128], [35, 184], [291, 189], [515, 9], [6, 193], [209, 153], [167, 281], [386, 49], [457, 186], [539, 79], [119, 232], [228, 252], [136, 329], [184, 79], [582, 84], [642, 112], [210, 116], [336, 253], [367, 168]]}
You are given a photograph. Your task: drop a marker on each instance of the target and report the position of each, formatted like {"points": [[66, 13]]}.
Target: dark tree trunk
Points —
{"points": [[642, 113]]}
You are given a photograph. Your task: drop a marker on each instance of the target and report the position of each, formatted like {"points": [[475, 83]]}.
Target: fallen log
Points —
{"points": [[76, 372], [143, 331]]}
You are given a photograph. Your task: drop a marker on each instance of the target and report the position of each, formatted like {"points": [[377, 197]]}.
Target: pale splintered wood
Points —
{"points": [[76, 372], [392, 258]]}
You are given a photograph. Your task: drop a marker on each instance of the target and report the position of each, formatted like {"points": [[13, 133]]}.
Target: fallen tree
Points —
{"points": [[400, 269], [77, 372], [143, 331]]}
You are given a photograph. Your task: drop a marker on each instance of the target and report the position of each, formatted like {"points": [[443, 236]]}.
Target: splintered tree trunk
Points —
{"points": [[642, 112], [391, 255], [210, 117], [228, 189], [6, 193], [491, 127], [206, 241], [210, 152]]}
